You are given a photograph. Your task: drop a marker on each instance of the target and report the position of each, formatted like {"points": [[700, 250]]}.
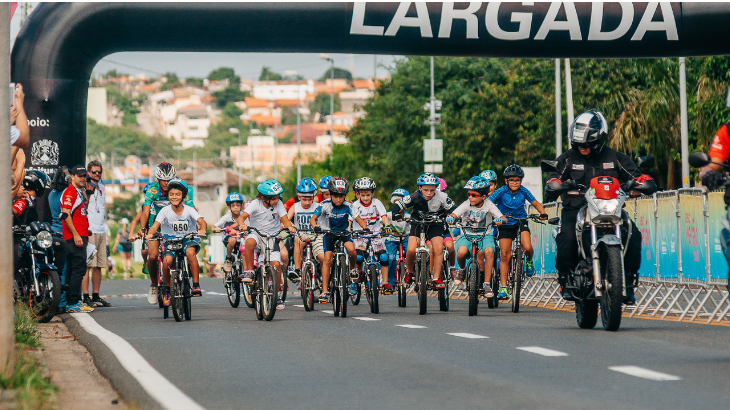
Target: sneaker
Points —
{"points": [[294, 275], [100, 303], [353, 289], [529, 268], [227, 266], [459, 276], [246, 276], [409, 278], [324, 297], [145, 270], [152, 295], [387, 288], [166, 301], [79, 308], [196, 291], [87, 301], [439, 284], [503, 292], [354, 274], [630, 298], [488, 291]]}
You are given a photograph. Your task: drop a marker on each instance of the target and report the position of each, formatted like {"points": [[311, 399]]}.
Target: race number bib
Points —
{"points": [[180, 226]]}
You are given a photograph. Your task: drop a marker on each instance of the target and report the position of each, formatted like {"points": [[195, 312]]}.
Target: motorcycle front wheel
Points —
{"points": [[613, 279]]}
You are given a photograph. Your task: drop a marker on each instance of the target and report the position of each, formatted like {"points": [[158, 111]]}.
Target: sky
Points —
{"points": [[246, 65]]}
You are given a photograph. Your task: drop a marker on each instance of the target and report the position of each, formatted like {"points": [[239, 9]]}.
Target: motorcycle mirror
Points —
{"points": [[699, 159], [549, 166], [554, 221], [645, 162]]}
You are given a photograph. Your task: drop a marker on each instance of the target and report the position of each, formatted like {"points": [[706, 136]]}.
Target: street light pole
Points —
{"points": [[683, 121], [299, 137], [332, 102], [238, 154], [433, 110], [558, 116]]}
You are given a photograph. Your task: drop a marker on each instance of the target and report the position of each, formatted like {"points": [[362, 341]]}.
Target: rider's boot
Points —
{"points": [[631, 283], [563, 281]]}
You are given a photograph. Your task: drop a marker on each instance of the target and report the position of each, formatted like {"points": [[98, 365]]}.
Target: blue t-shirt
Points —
{"points": [[338, 216], [54, 202], [512, 203]]}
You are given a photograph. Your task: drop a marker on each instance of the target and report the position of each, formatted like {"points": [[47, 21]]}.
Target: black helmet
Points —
{"points": [[35, 181], [338, 186], [60, 181], [514, 171], [589, 130]]}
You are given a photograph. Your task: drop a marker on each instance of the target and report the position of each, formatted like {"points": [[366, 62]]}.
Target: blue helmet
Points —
{"points": [[479, 184], [306, 187], [399, 192], [323, 182], [427, 179], [234, 197], [270, 187], [489, 175], [147, 187], [177, 183]]}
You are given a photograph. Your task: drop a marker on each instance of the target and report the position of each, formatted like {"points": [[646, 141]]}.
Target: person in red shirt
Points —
{"points": [[712, 174], [76, 235]]}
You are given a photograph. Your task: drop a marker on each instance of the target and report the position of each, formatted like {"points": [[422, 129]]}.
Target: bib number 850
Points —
{"points": [[180, 226]]}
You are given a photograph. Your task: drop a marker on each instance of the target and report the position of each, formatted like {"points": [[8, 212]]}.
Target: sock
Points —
{"points": [[196, 284], [86, 296], [298, 271], [94, 296]]}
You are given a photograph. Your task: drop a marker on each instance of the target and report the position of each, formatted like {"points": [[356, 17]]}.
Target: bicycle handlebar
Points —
{"points": [[251, 228], [534, 217]]}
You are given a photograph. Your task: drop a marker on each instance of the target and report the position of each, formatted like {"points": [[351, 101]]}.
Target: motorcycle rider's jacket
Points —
{"points": [[720, 147], [24, 211], [581, 169]]}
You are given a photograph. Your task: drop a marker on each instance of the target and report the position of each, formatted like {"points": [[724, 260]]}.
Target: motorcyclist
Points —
{"points": [[588, 158], [714, 176]]}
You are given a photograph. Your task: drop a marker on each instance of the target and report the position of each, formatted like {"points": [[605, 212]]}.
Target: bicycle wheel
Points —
{"points": [[402, 285], [43, 302], [517, 274], [269, 293], [187, 298], [344, 293], [247, 295], [493, 302], [423, 276], [472, 287], [233, 289], [176, 296], [335, 288], [355, 299], [307, 284], [443, 294], [374, 289], [284, 288], [256, 289]]}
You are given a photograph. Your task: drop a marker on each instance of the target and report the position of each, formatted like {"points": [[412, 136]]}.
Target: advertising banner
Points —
{"points": [[668, 256], [718, 265], [645, 222], [692, 228]]}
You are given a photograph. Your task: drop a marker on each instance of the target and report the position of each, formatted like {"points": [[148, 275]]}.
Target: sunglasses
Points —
{"points": [[585, 145], [514, 180], [474, 195], [95, 172]]}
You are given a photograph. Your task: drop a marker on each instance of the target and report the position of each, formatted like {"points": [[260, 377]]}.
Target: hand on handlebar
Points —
{"points": [[216, 229], [201, 232], [543, 217], [398, 217], [450, 220], [243, 228], [713, 180], [498, 221], [317, 230], [292, 230]]}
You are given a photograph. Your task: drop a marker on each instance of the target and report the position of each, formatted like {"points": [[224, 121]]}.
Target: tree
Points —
{"points": [[229, 94], [231, 111], [124, 208], [194, 81], [339, 73], [124, 104], [224, 72], [321, 104], [123, 141], [172, 82], [268, 75]]}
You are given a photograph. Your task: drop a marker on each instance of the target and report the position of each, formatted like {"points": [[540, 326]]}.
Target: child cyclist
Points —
{"points": [[234, 201], [510, 199], [391, 241], [448, 238], [267, 214], [324, 193], [372, 211], [336, 212], [301, 215], [426, 201], [178, 220], [477, 211]]}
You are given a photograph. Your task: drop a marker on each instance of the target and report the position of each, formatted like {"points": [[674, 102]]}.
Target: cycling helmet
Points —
{"points": [[323, 182], [165, 171], [489, 175], [364, 184], [177, 183], [234, 197], [147, 187], [270, 187], [479, 184], [306, 187], [442, 185], [589, 130], [514, 171], [35, 181], [60, 181], [399, 192], [427, 179], [338, 185]]}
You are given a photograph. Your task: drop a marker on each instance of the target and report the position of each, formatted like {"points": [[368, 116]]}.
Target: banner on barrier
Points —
{"points": [[667, 237], [692, 229], [645, 222], [718, 265]]}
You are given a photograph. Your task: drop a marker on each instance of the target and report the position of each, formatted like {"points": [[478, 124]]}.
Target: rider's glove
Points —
{"points": [[450, 219], [397, 217], [497, 220], [366, 231], [387, 229], [543, 216], [713, 180], [317, 229]]}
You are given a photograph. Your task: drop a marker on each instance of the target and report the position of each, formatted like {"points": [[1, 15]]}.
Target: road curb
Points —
{"points": [[110, 367]]}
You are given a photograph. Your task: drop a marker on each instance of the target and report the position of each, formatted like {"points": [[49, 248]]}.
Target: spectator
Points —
{"points": [[76, 235], [59, 183], [97, 235], [19, 138], [124, 246]]}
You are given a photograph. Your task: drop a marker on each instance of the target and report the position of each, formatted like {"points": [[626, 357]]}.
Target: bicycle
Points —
{"points": [[230, 279], [311, 279], [180, 278], [339, 272], [475, 274], [493, 302], [517, 263], [422, 270], [400, 269], [372, 269], [265, 286]]}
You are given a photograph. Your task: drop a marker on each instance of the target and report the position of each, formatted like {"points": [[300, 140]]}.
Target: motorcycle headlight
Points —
{"points": [[607, 206], [44, 239]]}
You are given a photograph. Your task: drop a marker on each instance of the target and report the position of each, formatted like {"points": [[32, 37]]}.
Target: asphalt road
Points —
{"points": [[226, 359]]}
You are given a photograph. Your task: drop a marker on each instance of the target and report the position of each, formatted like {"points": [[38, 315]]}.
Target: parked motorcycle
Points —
{"points": [[36, 279], [598, 278]]}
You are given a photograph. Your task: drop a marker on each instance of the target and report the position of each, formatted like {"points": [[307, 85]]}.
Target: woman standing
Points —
{"points": [[125, 247]]}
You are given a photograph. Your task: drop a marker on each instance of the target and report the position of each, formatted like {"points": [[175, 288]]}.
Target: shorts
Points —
{"points": [[99, 242], [447, 235], [329, 242], [187, 243], [433, 231], [125, 247], [275, 253], [486, 242], [316, 241], [510, 231], [377, 244], [226, 237]]}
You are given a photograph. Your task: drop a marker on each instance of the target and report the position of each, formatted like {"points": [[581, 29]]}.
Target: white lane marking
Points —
{"points": [[216, 293], [367, 319], [468, 335], [644, 373], [152, 381], [301, 306], [412, 326], [329, 312], [542, 351]]}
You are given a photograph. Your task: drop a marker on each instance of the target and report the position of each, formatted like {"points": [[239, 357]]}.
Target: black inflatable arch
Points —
{"points": [[60, 43]]}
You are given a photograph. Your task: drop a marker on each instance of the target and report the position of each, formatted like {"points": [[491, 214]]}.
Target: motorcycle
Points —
{"points": [[36, 279], [598, 278]]}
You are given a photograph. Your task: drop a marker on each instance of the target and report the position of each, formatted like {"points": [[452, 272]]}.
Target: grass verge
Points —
{"points": [[32, 389]]}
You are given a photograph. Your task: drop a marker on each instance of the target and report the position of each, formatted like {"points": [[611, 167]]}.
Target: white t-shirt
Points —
{"points": [[265, 219], [303, 216], [172, 224], [14, 134], [405, 226], [371, 214], [477, 217], [226, 220], [96, 210]]}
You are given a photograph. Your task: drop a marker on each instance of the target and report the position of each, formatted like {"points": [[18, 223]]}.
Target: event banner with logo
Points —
{"points": [[692, 230], [645, 222], [667, 236], [718, 265]]}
